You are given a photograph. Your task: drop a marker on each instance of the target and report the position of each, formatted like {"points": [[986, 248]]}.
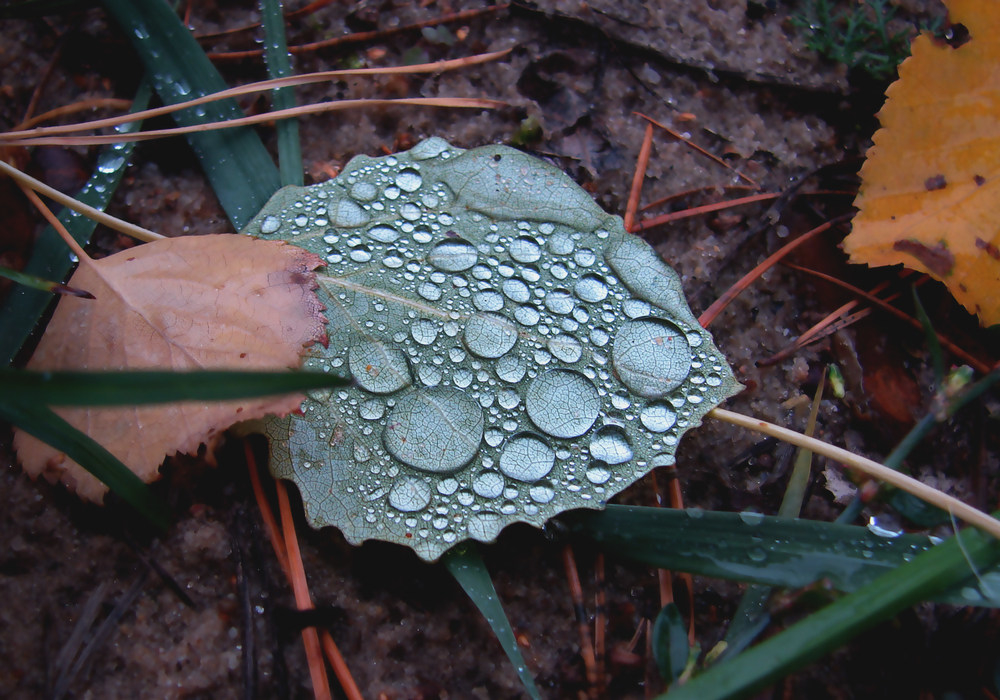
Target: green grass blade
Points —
{"points": [[50, 259], [45, 425], [146, 387], [234, 160], [279, 66], [468, 568], [34, 282], [670, 643], [926, 576], [753, 548]]}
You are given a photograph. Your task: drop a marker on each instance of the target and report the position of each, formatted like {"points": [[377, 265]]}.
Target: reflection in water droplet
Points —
{"points": [[542, 492], [348, 214], [429, 291], [409, 211], [525, 249], [651, 356], [361, 254], [301, 220], [383, 233], [429, 375], [510, 368], [424, 331], [378, 367], [508, 398], [598, 473], [364, 191], [270, 224], [489, 335], [559, 301], [610, 445], [408, 180], [658, 417], [516, 290], [448, 486], [562, 403], [585, 257], [526, 458], [488, 484], [409, 495], [565, 347], [599, 336], [485, 526], [436, 430], [488, 300], [453, 255], [527, 315], [372, 409], [591, 288]]}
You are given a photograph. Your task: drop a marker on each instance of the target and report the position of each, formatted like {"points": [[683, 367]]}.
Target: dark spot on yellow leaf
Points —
{"points": [[980, 180], [936, 182], [938, 259], [990, 249]]}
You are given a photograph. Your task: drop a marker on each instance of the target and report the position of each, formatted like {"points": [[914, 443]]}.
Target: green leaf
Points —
{"points": [[146, 387], [50, 259], [515, 352], [670, 643], [468, 568], [929, 574], [234, 160], [45, 425], [762, 549]]}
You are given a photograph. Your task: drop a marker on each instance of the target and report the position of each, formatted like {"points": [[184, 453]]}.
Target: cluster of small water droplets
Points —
{"points": [[511, 358]]}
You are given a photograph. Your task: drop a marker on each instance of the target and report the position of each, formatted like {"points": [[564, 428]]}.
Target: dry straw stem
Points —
{"points": [[261, 86], [138, 232], [960, 510]]}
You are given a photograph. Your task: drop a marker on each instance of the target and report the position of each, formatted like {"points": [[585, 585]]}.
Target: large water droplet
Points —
{"points": [[510, 368], [429, 148], [658, 417], [410, 494], [409, 211], [424, 331], [408, 180], [453, 255], [270, 224], [436, 430], [598, 473], [489, 335], [526, 458], [651, 356], [364, 191], [348, 214], [565, 347], [485, 526], [488, 300], [516, 290], [610, 445], [488, 484], [429, 375], [542, 492], [383, 233], [562, 403], [591, 288], [378, 367], [559, 301], [525, 249]]}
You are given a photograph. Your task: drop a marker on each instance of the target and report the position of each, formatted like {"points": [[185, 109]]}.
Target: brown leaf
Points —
{"points": [[930, 194], [205, 302]]}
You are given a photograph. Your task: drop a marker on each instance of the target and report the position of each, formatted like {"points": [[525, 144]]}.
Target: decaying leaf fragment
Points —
{"points": [[205, 302], [930, 193], [515, 352]]}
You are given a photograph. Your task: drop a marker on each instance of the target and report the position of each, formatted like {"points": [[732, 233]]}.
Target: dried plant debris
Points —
{"points": [[515, 352]]}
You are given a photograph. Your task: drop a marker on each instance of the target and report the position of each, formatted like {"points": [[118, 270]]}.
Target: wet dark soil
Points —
{"points": [[83, 611]]}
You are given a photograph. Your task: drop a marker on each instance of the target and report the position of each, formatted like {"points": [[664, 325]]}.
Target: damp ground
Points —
{"points": [[735, 77]]}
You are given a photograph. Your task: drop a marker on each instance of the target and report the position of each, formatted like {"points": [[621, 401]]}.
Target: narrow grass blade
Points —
{"points": [[670, 643], [926, 576], [279, 66], [468, 568], [146, 387], [50, 428], [50, 259], [41, 284], [234, 160], [754, 548]]}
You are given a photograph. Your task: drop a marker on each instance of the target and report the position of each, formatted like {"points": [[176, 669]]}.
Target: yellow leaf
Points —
{"points": [[205, 302], [930, 193]]}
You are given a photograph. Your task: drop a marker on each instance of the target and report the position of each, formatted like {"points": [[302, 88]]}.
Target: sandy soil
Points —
{"points": [[736, 78]]}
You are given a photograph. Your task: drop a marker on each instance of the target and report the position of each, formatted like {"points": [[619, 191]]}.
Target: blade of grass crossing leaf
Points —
{"points": [[468, 568], [49, 258], [927, 575], [45, 425], [279, 66], [768, 550], [142, 387], [234, 160]]}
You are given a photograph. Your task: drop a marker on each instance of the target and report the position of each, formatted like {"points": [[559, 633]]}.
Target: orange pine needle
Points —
{"points": [[300, 587], [576, 595], [723, 301], [266, 513], [703, 209], [694, 190], [691, 144], [637, 178], [55, 223]]}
